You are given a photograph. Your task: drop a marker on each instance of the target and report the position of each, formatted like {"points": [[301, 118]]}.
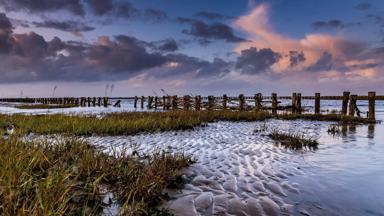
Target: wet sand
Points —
{"points": [[242, 172]]}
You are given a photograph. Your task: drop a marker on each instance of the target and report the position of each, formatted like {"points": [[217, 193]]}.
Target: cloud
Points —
{"points": [[73, 6], [5, 34], [211, 15], [296, 58], [155, 15], [363, 6], [328, 24], [167, 45], [215, 31], [253, 61], [68, 26], [100, 8], [313, 45], [324, 63]]}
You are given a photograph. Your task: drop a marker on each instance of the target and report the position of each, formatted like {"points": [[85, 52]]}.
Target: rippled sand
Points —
{"points": [[238, 171]]}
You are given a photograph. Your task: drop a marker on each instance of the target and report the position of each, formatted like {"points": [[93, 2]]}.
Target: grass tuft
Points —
{"points": [[294, 141]]}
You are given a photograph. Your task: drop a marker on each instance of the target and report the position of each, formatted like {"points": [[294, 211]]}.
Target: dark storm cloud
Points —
{"points": [[253, 61], [74, 6], [202, 30], [100, 8], [324, 63], [29, 57], [69, 26], [296, 58], [363, 6]]}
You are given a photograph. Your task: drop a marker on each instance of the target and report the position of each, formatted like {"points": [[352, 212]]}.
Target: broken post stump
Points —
{"points": [[345, 103], [317, 103]]}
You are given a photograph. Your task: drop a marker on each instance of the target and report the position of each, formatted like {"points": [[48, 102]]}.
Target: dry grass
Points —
{"points": [[296, 141], [71, 177]]}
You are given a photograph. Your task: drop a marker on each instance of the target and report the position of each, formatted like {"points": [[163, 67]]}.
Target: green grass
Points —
{"points": [[45, 106], [296, 141], [130, 123], [326, 117], [70, 177], [122, 123]]}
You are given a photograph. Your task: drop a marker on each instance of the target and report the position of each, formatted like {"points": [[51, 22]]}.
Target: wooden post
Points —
{"points": [[197, 103], [371, 105], [225, 100], [186, 102], [169, 101], [142, 102], [174, 102], [258, 100], [135, 99], [317, 103], [94, 101], [150, 98], [99, 101], [274, 103], [345, 103], [156, 101], [105, 102], [89, 101], [352, 104], [294, 98], [164, 103], [298, 103], [241, 102], [211, 102]]}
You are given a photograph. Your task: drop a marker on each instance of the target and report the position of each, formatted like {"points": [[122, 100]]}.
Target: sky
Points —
{"points": [[208, 47]]}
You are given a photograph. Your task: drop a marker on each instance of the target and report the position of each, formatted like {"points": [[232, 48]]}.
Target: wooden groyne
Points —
{"points": [[242, 103]]}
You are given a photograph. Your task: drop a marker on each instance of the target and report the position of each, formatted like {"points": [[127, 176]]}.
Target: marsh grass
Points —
{"points": [[292, 140], [122, 123], [327, 117], [71, 177], [45, 106], [129, 123]]}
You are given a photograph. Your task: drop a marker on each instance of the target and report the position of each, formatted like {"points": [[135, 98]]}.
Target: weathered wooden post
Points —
{"points": [[274, 103], [225, 100], [298, 103], [211, 102], [99, 101], [150, 98], [94, 101], [164, 103], [241, 102], [186, 100], [168, 103], [371, 105], [345, 103], [105, 101], [142, 102], [197, 103], [174, 102], [352, 104], [135, 99], [317, 103], [258, 100], [294, 103], [89, 101], [156, 101]]}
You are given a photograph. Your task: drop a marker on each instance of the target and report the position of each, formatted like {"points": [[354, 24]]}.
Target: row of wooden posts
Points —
{"points": [[349, 102], [82, 101]]}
